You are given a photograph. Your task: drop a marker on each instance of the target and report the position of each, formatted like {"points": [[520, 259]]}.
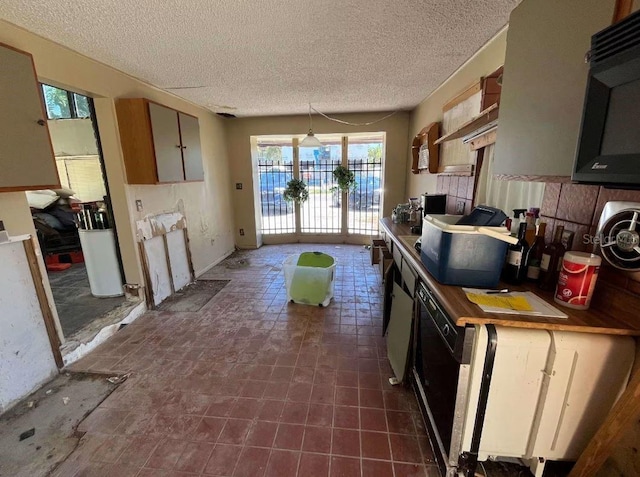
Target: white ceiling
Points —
{"points": [[273, 57]]}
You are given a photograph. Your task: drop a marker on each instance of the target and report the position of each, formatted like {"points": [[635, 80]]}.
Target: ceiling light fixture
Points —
{"points": [[310, 140]]}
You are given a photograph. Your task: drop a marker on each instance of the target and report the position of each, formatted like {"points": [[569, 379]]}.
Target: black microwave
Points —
{"points": [[608, 150]]}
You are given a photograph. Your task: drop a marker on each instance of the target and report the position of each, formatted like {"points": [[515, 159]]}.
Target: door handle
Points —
{"points": [[41, 122]]}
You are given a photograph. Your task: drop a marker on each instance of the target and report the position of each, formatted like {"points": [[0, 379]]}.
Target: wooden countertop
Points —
{"points": [[621, 319]]}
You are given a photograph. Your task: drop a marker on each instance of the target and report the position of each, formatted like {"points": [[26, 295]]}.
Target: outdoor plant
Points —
{"points": [[345, 178], [296, 191]]}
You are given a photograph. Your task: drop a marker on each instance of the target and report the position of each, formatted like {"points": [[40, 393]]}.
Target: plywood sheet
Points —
{"points": [[455, 152], [179, 259], [158, 269]]}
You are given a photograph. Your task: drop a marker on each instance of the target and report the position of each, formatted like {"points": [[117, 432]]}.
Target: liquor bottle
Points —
{"points": [[551, 261], [531, 228], [535, 254], [515, 269]]}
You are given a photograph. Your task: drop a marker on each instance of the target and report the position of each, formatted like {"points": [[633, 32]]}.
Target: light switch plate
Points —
{"points": [[239, 185]]}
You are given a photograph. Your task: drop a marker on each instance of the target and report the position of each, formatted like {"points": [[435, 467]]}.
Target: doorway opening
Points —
{"points": [[74, 224]]}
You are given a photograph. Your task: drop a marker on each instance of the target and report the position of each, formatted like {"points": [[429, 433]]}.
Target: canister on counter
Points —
{"points": [[577, 279]]}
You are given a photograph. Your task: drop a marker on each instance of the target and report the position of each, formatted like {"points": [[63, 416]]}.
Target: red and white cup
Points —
{"points": [[577, 279]]}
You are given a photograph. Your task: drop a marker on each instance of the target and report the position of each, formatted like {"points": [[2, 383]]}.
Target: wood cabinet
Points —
{"points": [[27, 161], [159, 144], [544, 84]]}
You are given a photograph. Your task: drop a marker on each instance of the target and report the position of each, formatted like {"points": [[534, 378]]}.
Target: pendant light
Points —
{"points": [[310, 140]]}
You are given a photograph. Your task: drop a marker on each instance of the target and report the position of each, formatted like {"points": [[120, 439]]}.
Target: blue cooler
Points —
{"points": [[460, 254]]}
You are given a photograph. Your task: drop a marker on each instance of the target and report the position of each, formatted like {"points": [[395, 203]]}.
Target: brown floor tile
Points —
{"points": [[345, 442], [262, 434], [400, 422], [375, 445], [223, 460], [313, 465], [320, 415], [317, 439], [246, 408], [271, 410], [289, 436], [294, 412], [405, 448], [282, 463], [194, 457], [345, 467], [373, 419], [376, 468], [209, 429], [235, 431], [253, 462], [346, 396], [346, 417], [166, 454], [411, 470]]}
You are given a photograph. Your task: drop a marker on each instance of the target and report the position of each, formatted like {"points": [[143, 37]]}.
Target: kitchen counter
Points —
{"points": [[609, 320]]}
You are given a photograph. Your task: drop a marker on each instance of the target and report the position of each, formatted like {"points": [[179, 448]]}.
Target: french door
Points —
{"points": [[327, 212]]}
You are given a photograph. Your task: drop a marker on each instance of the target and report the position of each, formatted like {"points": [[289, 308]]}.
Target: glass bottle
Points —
{"points": [[551, 261], [535, 254], [516, 267]]}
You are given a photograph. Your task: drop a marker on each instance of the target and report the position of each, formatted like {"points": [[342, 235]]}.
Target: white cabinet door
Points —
{"points": [[191, 152], [166, 141], [26, 155], [545, 77]]}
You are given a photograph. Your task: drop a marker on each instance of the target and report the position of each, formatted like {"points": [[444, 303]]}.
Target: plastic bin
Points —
{"points": [[309, 278], [459, 254]]}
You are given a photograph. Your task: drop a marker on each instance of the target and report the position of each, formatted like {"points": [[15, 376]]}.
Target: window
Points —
{"points": [[63, 104], [326, 211]]}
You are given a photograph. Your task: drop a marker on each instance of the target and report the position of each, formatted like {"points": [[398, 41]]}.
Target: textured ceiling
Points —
{"points": [[273, 57]]}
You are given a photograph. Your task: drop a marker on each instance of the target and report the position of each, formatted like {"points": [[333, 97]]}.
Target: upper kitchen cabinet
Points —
{"points": [[26, 156], [545, 77], [159, 144]]}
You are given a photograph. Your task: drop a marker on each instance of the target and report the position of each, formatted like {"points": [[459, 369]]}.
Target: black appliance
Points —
{"points": [[442, 355], [483, 215], [609, 145], [433, 203]]}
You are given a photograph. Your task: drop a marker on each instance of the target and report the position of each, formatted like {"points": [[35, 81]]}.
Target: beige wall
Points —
{"points": [[206, 205], [485, 61], [241, 168]]}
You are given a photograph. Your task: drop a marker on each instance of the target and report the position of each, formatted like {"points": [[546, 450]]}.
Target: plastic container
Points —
{"points": [[460, 254], [309, 277], [577, 279]]}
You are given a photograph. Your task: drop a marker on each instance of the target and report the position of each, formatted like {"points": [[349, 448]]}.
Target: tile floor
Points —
{"points": [[254, 386]]}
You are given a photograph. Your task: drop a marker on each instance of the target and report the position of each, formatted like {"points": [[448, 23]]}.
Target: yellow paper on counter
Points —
{"points": [[517, 303]]}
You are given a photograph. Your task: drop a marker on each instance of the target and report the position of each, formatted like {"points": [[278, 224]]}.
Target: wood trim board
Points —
{"points": [[43, 301], [621, 10], [463, 96]]}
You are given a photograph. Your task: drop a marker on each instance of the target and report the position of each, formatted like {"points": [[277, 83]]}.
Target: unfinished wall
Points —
{"points": [[241, 167], [485, 61], [207, 203]]}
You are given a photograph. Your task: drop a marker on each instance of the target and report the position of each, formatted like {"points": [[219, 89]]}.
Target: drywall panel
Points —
{"points": [[178, 258], [26, 359], [158, 268]]}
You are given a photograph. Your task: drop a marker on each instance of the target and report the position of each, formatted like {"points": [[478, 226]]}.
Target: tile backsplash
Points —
{"points": [[457, 188], [578, 207]]}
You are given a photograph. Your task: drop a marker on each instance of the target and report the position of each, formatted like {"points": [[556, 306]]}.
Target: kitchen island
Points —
{"points": [[495, 386]]}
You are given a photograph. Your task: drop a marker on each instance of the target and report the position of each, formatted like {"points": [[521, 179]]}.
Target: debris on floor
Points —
{"points": [[40, 432]]}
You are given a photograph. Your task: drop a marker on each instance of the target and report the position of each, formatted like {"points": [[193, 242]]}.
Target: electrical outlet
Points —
{"points": [[460, 207], [239, 185], [241, 231], [138, 205]]}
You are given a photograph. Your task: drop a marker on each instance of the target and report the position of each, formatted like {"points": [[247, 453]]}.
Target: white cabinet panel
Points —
{"points": [[166, 142], [399, 331], [191, 152], [26, 155]]}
